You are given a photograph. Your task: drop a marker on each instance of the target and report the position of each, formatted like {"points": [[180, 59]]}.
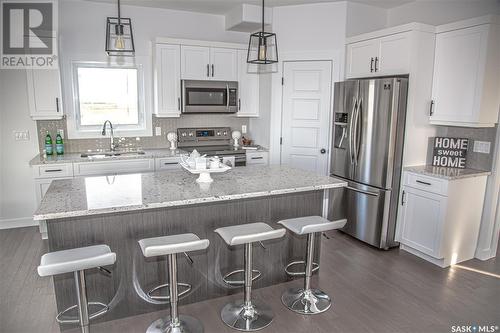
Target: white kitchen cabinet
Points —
{"points": [[224, 64], [248, 99], [394, 54], [466, 82], [209, 63], [113, 167], [439, 219], [195, 62], [167, 80], [44, 94], [361, 58], [167, 163], [257, 157]]}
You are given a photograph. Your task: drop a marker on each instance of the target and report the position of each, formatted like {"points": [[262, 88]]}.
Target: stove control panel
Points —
{"points": [[203, 135]]}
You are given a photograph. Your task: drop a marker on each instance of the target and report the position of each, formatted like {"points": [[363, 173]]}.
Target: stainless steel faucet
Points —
{"points": [[112, 146]]}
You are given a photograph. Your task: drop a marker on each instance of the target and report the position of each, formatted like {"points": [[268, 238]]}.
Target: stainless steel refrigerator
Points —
{"points": [[367, 149]]}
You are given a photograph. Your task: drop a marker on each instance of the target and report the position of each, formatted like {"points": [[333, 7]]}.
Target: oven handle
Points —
{"points": [[227, 96]]}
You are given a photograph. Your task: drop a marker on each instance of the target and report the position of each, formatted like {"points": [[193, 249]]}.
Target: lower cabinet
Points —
{"points": [[167, 163], [113, 167], [439, 219], [257, 157]]}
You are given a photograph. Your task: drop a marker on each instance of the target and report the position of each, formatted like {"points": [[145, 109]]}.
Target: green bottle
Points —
{"points": [[59, 144], [49, 150]]}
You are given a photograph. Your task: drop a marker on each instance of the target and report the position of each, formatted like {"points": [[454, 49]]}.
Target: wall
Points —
{"points": [[17, 195], [440, 12], [363, 18]]}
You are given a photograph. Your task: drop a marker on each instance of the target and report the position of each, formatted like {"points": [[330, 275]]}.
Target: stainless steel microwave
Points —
{"points": [[209, 96]]}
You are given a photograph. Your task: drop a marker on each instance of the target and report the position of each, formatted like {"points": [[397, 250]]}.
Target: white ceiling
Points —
{"points": [[223, 6]]}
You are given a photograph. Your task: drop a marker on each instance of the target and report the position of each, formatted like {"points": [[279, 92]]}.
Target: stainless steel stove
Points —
{"points": [[212, 141]]}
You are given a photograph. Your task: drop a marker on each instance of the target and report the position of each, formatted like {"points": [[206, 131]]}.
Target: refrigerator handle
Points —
{"points": [[355, 133], [353, 113]]}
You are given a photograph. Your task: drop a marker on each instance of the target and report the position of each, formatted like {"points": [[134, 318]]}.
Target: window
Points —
{"points": [[103, 92]]}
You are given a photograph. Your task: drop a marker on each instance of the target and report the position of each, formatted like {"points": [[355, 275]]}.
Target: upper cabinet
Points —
{"points": [[466, 84], [167, 79], [209, 63], [248, 103], [44, 94], [388, 55]]}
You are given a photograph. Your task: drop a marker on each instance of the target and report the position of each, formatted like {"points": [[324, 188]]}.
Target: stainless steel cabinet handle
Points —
{"points": [[371, 65], [178, 103], [257, 158], [423, 183], [227, 96], [361, 191], [431, 108], [208, 70], [213, 70], [403, 198], [376, 62], [239, 104], [57, 104], [170, 163], [54, 170]]}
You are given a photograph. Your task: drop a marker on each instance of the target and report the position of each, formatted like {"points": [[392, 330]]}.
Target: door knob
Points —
{"points": [[322, 151]]}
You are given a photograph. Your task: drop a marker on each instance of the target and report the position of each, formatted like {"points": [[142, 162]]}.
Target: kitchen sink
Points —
{"points": [[108, 154]]}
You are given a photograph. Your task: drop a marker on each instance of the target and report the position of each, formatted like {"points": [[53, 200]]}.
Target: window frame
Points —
{"points": [[78, 131]]}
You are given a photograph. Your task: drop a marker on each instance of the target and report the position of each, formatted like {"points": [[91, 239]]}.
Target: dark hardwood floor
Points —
{"points": [[373, 291]]}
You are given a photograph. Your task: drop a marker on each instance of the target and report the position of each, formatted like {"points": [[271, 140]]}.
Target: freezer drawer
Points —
{"points": [[368, 213]]}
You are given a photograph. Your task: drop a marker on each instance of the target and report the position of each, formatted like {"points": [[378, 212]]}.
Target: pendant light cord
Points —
{"points": [[119, 14], [262, 15]]}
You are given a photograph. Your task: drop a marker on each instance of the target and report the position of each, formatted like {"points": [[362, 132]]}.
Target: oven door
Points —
{"points": [[209, 96]]}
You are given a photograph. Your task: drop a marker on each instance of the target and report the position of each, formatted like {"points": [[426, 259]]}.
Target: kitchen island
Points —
{"points": [[120, 210]]}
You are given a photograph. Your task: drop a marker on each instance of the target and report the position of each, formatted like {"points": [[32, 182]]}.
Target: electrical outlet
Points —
{"points": [[158, 131], [61, 132], [21, 135], [482, 147], [243, 129]]}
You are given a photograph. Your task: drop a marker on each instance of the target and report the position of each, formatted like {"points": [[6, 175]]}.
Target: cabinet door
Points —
{"points": [[195, 62], [361, 58], [44, 94], [168, 80], [248, 87], [423, 216], [458, 74], [394, 55], [223, 64]]}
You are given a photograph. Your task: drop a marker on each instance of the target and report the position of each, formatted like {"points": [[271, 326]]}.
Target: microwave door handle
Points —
{"points": [[227, 96]]}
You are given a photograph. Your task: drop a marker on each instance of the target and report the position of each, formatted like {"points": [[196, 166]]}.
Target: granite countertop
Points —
{"points": [[446, 173], [76, 157], [111, 194]]}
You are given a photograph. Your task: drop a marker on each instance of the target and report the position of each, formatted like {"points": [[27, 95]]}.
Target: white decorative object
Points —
{"points": [[236, 135], [172, 138], [204, 173]]}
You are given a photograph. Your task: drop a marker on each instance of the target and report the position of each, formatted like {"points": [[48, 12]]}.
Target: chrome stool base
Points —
{"points": [[255, 317], [101, 309], [312, 301], [186, 324]]}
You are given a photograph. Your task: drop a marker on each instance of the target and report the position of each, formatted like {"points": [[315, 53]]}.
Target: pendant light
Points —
{"points": [[262, 47], [119, 37]]}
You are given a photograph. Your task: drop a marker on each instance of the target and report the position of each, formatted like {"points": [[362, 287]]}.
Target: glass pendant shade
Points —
{"points": [[262, 48], [119, 36]]}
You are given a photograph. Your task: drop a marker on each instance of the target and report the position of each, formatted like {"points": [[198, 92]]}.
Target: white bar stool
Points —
{"points": [[77, 261], [306, 300], [247, 315], [169, 246]]}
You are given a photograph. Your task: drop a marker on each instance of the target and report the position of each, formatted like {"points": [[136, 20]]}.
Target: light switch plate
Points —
{"points": [[243, 129], [158, 131], [482, 147], [21, 135]]}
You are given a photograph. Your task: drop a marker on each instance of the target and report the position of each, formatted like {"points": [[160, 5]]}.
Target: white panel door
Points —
{"points": [[224, 64], [195, 62], [167, 80], [361, 58], [306, 115]]}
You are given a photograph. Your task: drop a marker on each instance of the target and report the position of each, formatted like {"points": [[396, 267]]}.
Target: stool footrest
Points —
{"points": [[75, 319], [300, 262], [240, 282], [166, 285]]}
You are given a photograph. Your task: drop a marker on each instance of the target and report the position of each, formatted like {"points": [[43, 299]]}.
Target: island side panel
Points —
{"points": [[133, 275]]}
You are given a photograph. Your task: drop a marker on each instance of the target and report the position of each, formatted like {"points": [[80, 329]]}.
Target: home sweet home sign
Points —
{"points": [[450, 152]]}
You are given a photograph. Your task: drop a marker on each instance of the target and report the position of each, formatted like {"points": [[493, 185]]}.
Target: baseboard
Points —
{"points": [[485, 254], [17, 223]]}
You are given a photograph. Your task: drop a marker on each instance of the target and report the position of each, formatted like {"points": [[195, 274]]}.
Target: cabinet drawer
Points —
{"points": [[113, 167], [425, 183], [167, 163], [53, 170], [257, 158]]}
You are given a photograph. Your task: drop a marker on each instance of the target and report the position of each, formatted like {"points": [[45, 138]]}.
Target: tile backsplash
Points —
{"points": [[478, 161], [166, 124]]}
